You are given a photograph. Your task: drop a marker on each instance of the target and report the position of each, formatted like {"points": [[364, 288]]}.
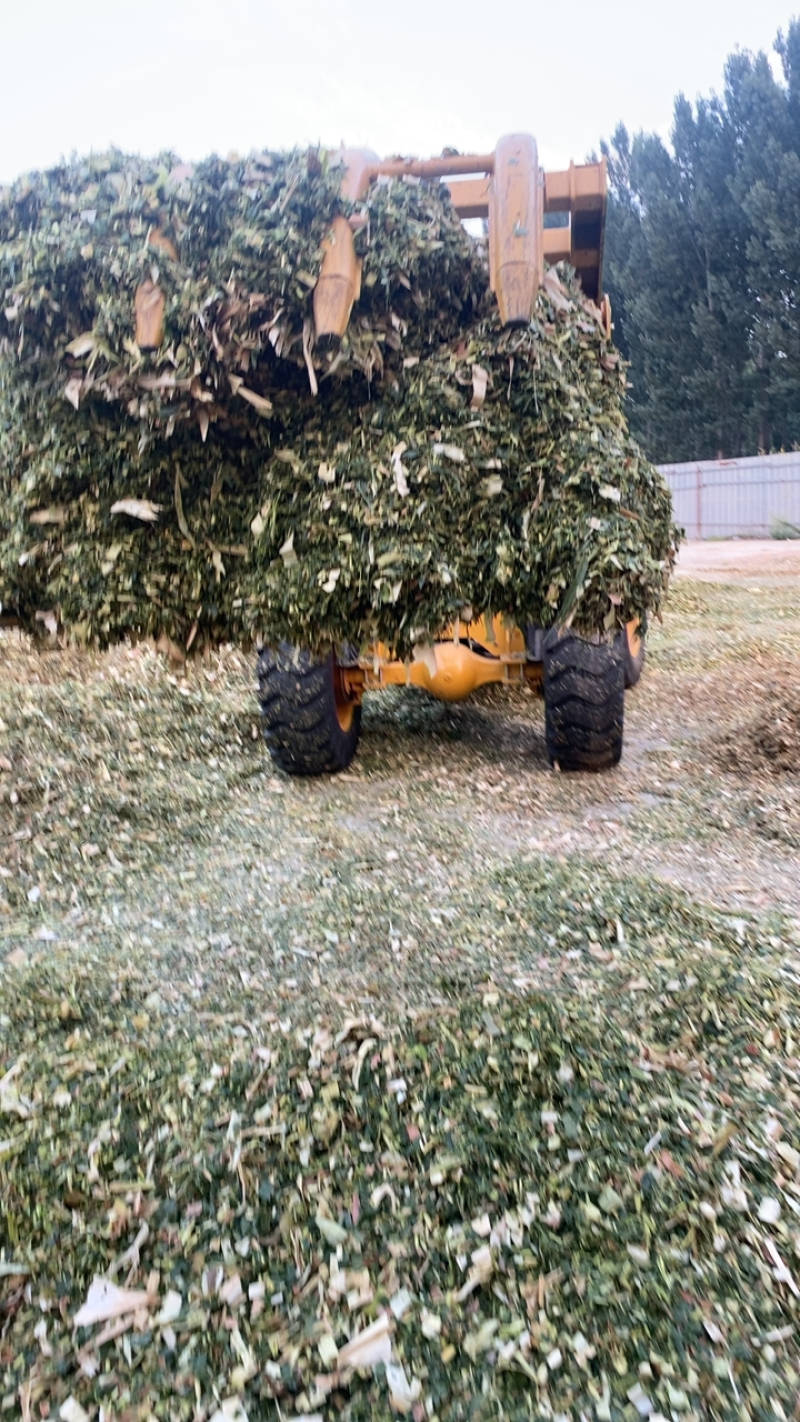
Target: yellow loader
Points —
{"points": [[312, 709]]}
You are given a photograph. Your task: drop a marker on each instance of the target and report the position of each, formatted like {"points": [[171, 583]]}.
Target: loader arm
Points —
{"points": [[510, 190]]}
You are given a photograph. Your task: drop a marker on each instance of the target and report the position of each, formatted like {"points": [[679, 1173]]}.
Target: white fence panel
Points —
{"points": [[735, 498]]}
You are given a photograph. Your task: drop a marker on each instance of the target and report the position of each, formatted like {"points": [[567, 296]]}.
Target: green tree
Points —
{"points": [[703, 265]]}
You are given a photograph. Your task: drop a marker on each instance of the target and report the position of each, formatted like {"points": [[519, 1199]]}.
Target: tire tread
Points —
{"points": [[584, 702], [298, 712]]}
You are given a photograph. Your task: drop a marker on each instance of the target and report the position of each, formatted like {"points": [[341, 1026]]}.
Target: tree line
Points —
{"points": [[702, 263]]}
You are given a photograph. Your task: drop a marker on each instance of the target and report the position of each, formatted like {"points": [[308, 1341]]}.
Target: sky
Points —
{"points": [[412, 76]]}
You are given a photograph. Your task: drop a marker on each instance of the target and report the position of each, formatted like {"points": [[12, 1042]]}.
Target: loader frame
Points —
{"points": [[512, 192], [509, 190], [469, 656]]}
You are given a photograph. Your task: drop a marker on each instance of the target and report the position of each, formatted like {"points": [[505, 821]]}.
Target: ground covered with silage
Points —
{"points": [[247, 482], [436, 1049], [581, 1201]]}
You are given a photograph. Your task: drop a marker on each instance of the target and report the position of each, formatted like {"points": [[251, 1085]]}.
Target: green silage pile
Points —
{"points": [[205, 491]]}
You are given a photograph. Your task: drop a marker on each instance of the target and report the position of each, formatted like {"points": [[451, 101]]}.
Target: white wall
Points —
{"points": [[735, 498]]}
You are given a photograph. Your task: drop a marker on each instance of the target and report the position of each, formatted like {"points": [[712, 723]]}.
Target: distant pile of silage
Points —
{"points": [[204, 491]]}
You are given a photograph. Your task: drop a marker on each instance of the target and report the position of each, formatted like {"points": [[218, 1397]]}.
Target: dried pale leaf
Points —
{"points": [[370, 1347], [639, 1254], [308, 342], [332, 1232], [640, 1400], [105, 1300], [584, 1351], [451, 452], [401, 1302], [11, 1103], [788, 1155], [481, 1339], [82, 345], [143, 509], [430, 1323], [288, 456], [327, 1349], [556, 291], [778, 1335], [130, 1255], [782, 1272], [56, 514], [769, 1211], [170, 1308], [425, 652], [72, 391], [231, 1292], [232, 1409], [609, 1201], [259, 402], [50, 621], [179, 513], [400, 480], [287, 553], [402, 1393], [480, 382], [71, 1411]]}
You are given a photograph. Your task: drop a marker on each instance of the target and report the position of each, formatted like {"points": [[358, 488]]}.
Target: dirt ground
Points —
{"points": [[140, 815], [730, 560]]}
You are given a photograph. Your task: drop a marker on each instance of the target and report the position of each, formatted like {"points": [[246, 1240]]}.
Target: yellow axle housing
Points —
{"points": [[479, 653], [452, 669]]}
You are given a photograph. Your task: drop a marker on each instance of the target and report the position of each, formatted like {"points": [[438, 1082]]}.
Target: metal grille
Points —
{"points": [[735, 498]]}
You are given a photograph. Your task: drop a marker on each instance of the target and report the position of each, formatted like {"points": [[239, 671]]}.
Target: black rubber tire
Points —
{"points": [[632, 665], [584, 702], [301, 724]]}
